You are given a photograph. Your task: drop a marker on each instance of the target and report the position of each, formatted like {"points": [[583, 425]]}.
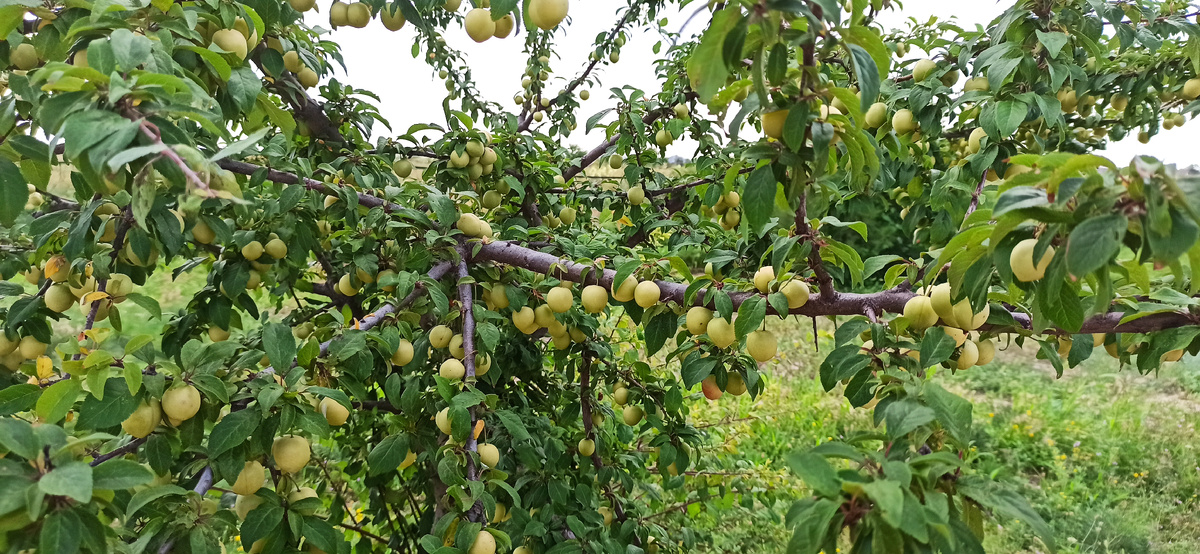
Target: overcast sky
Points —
{"points": [[381, 61]]}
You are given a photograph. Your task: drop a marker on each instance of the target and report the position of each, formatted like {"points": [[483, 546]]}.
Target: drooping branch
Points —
{"points": [[693, 184], [527, 118]]}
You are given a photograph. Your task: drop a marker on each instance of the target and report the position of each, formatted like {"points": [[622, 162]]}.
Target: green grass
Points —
{"points": [[1107, 456]]}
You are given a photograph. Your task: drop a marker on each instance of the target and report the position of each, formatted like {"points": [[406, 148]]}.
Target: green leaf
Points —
{"points": [[696, 368], [889, 498], [62, 533], [58, 399], [1053, 41], [867, 71], [750, 315], [1009, 504], [18, 398], [706, 66], [387, 455], [1009, 116], [905, 416], [512, 422], [953, 411], [145, 496], [232, 430], [936, 347], [17, 436], [118, 474], [843, 363], [72, 480], [117, 404], [660, 328], [280, 345], [13, 192], [816, 472], [1017, 198], [1094, 243], [260, 522], [759, 198], [146, 303]]}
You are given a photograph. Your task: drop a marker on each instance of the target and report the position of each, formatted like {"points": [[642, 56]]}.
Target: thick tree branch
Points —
{"points": [[467, 307]]}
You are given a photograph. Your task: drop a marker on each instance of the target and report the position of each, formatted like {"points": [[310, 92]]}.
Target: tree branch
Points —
{"points": [[467, 307]]}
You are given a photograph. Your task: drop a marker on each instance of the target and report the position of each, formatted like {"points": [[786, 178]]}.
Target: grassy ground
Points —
{"points": [[1107, 456]]}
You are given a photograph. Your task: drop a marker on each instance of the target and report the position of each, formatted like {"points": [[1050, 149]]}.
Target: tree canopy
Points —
{"points": [[471, 338]]}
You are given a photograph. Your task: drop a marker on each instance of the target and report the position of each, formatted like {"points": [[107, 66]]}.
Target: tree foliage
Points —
{"points": [[385, 358]]}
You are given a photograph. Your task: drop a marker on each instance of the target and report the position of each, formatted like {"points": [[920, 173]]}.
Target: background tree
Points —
{"points": [[392, 357]]}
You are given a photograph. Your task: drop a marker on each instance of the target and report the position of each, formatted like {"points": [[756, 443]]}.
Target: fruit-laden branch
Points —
{"points": [[152, 132], [685, 186], [585, 404], [595, 153], [118, 451], [308, 111], [528, 120], [122, 228], [840, 303], [243, 168]]}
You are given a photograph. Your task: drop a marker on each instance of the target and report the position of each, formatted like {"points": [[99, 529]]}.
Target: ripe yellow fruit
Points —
{"points": [[567, 216], [439, 337], [772, 123], [302, 5], [232, 41], [1023, 266], [276, 248], [762, 345], [456, 347], [408, 460], [620, 394], [625, 292], [559, 299], [244, 504], [968, 355], [957, 334], [525, 320], [646, 294], [547, 14], [720, 332], [1098, 339], [919, 312], [144, 419], [735, 384], [451, 5], [58, 298], [594, 298], [1068, 99], [217, 334], [697, 320], [358, 15], [663, 137], [404, 353], [203, 233], [976, 84], [291, 453], [338, 14], [504, 26], [922, 69], [763, 278], [392, 18], [586, 447], [940, 301], [636, 195], [977, 321], [876, 115], [181, 403], [986, 349], [250, 479], [489, 454], [253, 250], [632, 415], [24, 56], [1172, 356], [335, 413], [443, 421], [308, 78], [484, 543], [1064, 346], [544, 316], [903, 122], [973, 142], [291, 61], [452, 369], [1191, 88], [796, 292], [346, 286], [479, 24]]}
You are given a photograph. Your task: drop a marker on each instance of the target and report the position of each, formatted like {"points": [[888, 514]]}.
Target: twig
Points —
{"points": [[119, 451], [975, 196], [467, 307]]}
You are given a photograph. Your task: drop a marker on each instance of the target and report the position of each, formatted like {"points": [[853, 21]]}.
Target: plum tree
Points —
{"points": [[388, 316]]}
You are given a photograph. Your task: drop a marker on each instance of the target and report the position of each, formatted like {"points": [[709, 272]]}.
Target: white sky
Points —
{"points": [[381, 61]]}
